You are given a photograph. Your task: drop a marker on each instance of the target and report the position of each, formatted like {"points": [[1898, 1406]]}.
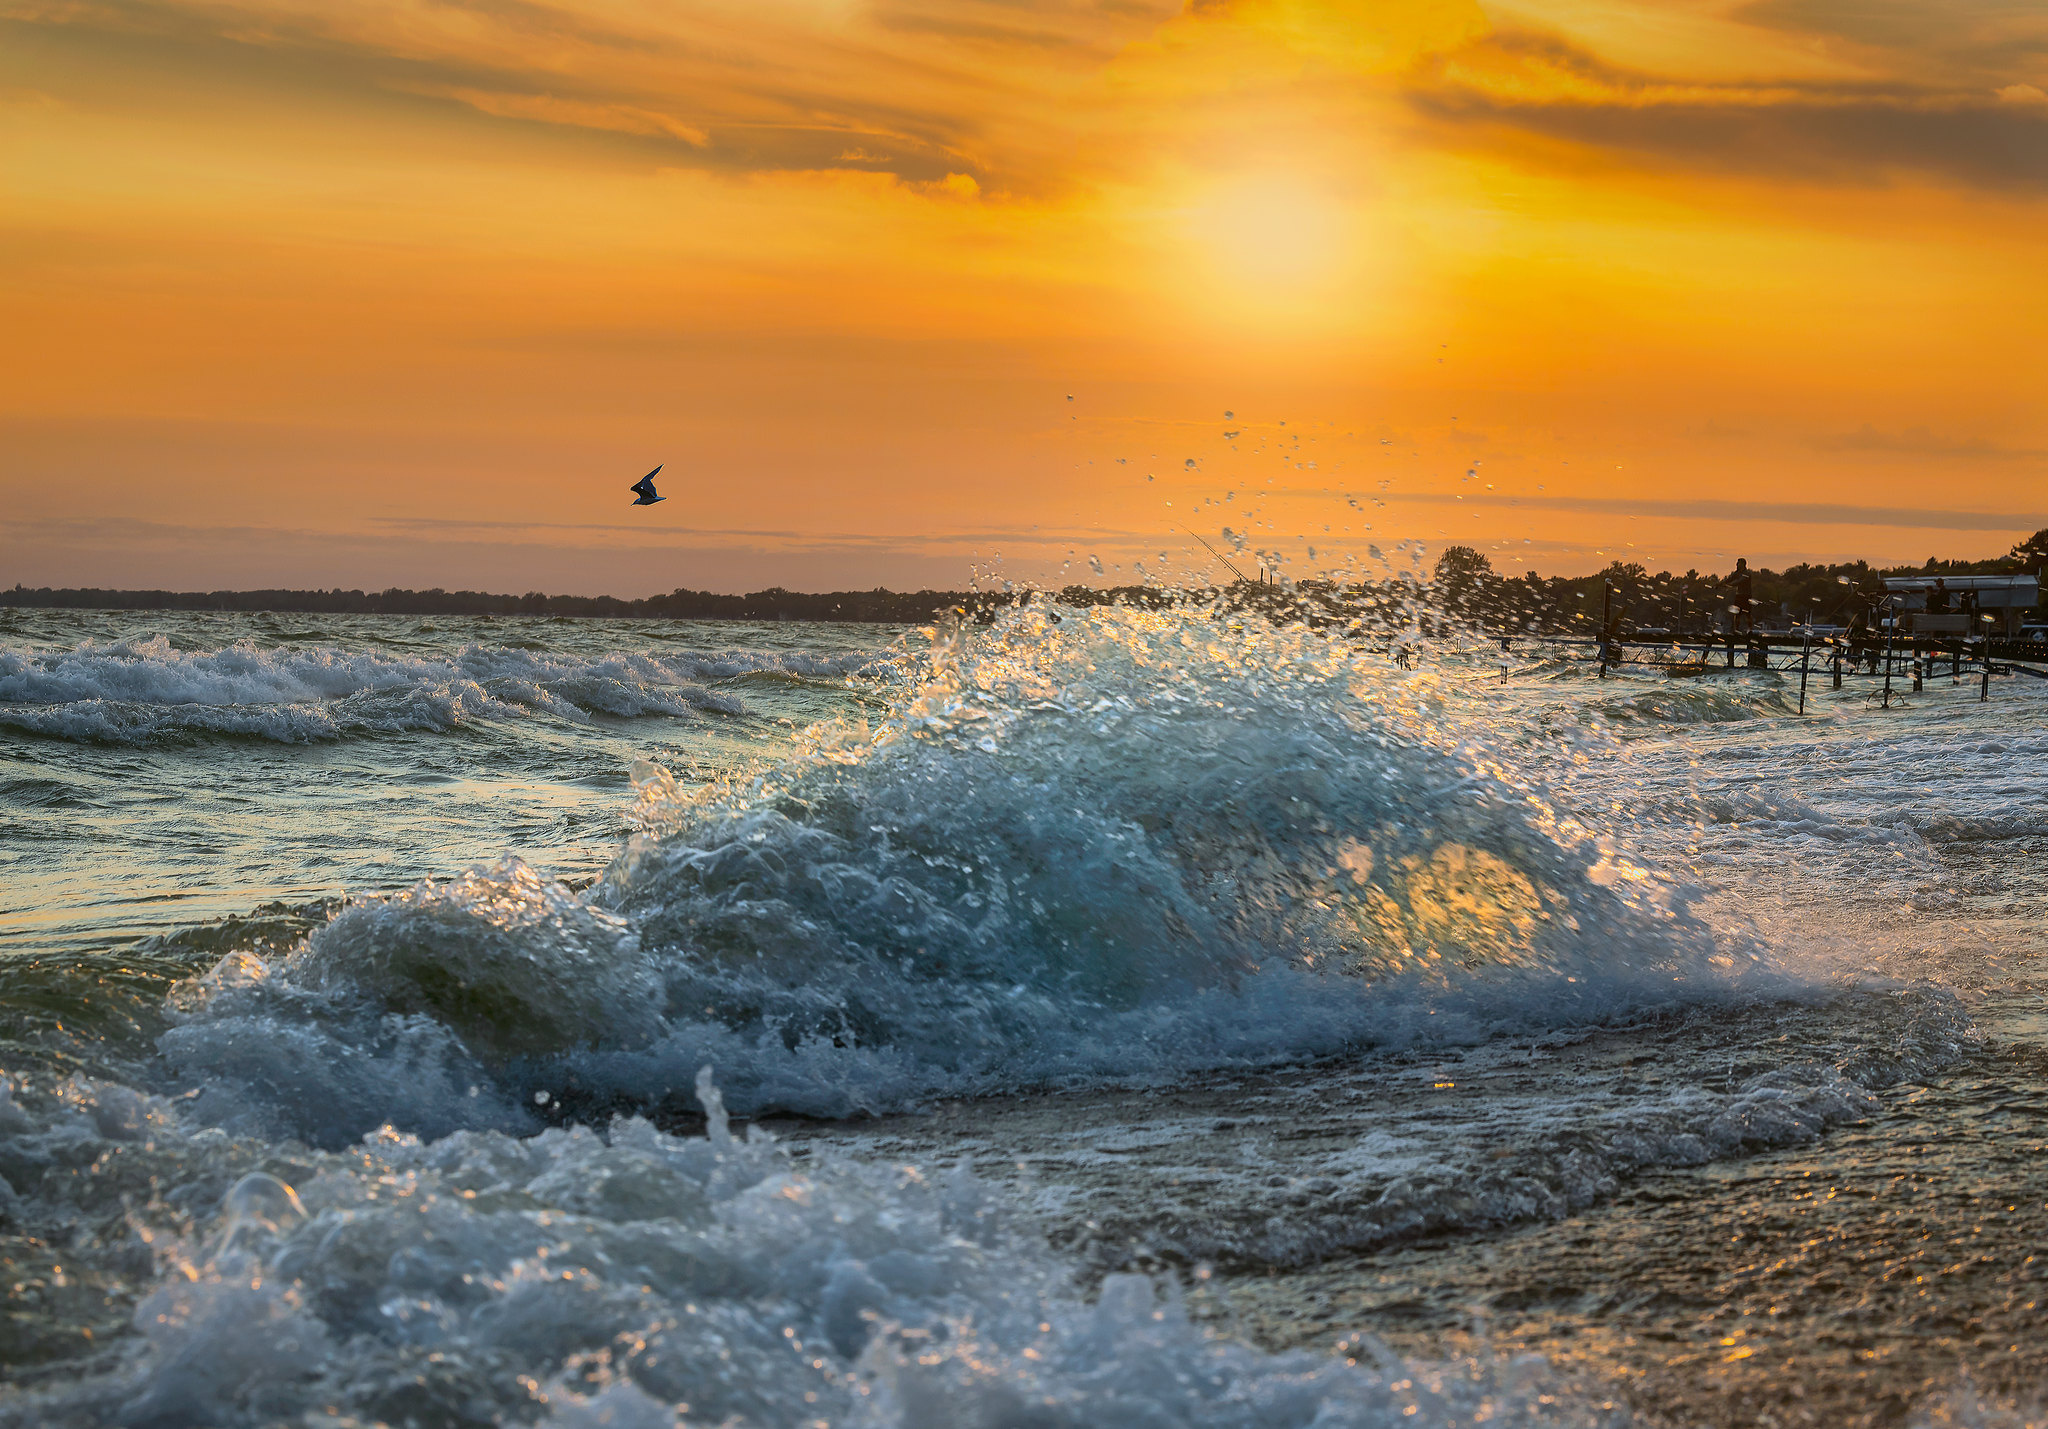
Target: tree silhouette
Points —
{"points": [[2033, 551]]}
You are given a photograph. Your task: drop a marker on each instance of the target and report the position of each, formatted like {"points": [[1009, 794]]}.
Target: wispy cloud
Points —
{"points": [[1798, 513], [115, 531], [1919, 441], [1013, 94], [918, 90], [1848, 131], [646, 533], [1990, 41]]}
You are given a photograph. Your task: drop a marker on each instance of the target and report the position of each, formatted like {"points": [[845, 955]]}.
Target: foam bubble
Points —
{"points": [[639, 1278]]}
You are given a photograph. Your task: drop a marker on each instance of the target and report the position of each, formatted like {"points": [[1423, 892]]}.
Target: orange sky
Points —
{"points": [[296, 292]]}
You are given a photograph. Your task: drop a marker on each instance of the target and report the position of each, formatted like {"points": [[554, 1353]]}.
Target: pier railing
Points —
{"points": [[1889, 656]]}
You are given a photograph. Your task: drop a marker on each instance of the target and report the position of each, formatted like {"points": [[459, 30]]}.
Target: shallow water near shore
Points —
{"points": [[1126, 1017]]}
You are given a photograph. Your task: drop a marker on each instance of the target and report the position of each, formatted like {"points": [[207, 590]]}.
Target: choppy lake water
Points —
{"points": [[1124, 1018]]}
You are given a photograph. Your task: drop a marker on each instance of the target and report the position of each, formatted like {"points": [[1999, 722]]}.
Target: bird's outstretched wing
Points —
{"points": [[645, 485]]}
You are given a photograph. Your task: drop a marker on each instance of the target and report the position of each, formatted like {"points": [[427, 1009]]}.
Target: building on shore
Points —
{"points": [[1956, 605]]}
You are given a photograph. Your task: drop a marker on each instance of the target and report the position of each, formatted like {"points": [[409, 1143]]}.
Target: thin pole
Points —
{"points": [[1805, 652], [1606, 605], [1889, 630], [1218, 555]]}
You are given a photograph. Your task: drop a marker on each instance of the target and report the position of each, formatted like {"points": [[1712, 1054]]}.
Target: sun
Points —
{"points": [[1273, 235]]}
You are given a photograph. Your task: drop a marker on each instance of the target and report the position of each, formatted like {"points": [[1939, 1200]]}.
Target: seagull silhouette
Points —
{"points": [[645, 486]]}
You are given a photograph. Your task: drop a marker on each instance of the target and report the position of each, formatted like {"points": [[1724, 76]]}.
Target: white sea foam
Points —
{"points": [[134, 691], [1126, 845], [641, 1279]]}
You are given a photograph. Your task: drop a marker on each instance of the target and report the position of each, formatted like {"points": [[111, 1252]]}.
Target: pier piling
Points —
{"points": [[1889, 633]]}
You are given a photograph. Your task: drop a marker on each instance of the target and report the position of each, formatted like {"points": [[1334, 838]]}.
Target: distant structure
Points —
{"points": [[1741, 586], [645, 486], [2007, 599]]}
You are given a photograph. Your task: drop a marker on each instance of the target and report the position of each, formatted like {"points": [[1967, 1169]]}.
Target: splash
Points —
{"points": [[1112, 844]]}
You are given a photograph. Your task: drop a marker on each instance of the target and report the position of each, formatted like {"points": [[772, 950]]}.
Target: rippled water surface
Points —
{"points": [[1129, 1018], [216, 762]]}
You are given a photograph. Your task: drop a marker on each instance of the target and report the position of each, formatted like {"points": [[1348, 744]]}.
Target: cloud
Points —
{"points": [[988, 25], [127, 553], [580, 113], [1020, 537], [1852, 132], [1017, 97], [1796, 513], [1954, 40], [1918, 441], [920, 90], [122, 531]]}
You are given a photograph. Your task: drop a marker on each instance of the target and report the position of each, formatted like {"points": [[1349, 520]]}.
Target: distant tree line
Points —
{"points": [[1630, 597], [1464, 586], [883, 606]]}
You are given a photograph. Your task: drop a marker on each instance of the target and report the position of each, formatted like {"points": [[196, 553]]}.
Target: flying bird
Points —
{"points": [[645, 486]]}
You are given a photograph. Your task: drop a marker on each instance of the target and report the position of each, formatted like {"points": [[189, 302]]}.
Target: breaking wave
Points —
{"points": [[1119, 845], [139, 691]]}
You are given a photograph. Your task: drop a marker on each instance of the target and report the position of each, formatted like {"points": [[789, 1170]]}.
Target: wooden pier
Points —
{"points": [[1898, 661]]}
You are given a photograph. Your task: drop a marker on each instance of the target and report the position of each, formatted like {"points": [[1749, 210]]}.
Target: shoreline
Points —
{"points": [[877, 607]]}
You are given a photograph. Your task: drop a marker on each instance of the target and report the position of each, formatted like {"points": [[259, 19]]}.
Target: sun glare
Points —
{"points": [[1275, 235]]}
